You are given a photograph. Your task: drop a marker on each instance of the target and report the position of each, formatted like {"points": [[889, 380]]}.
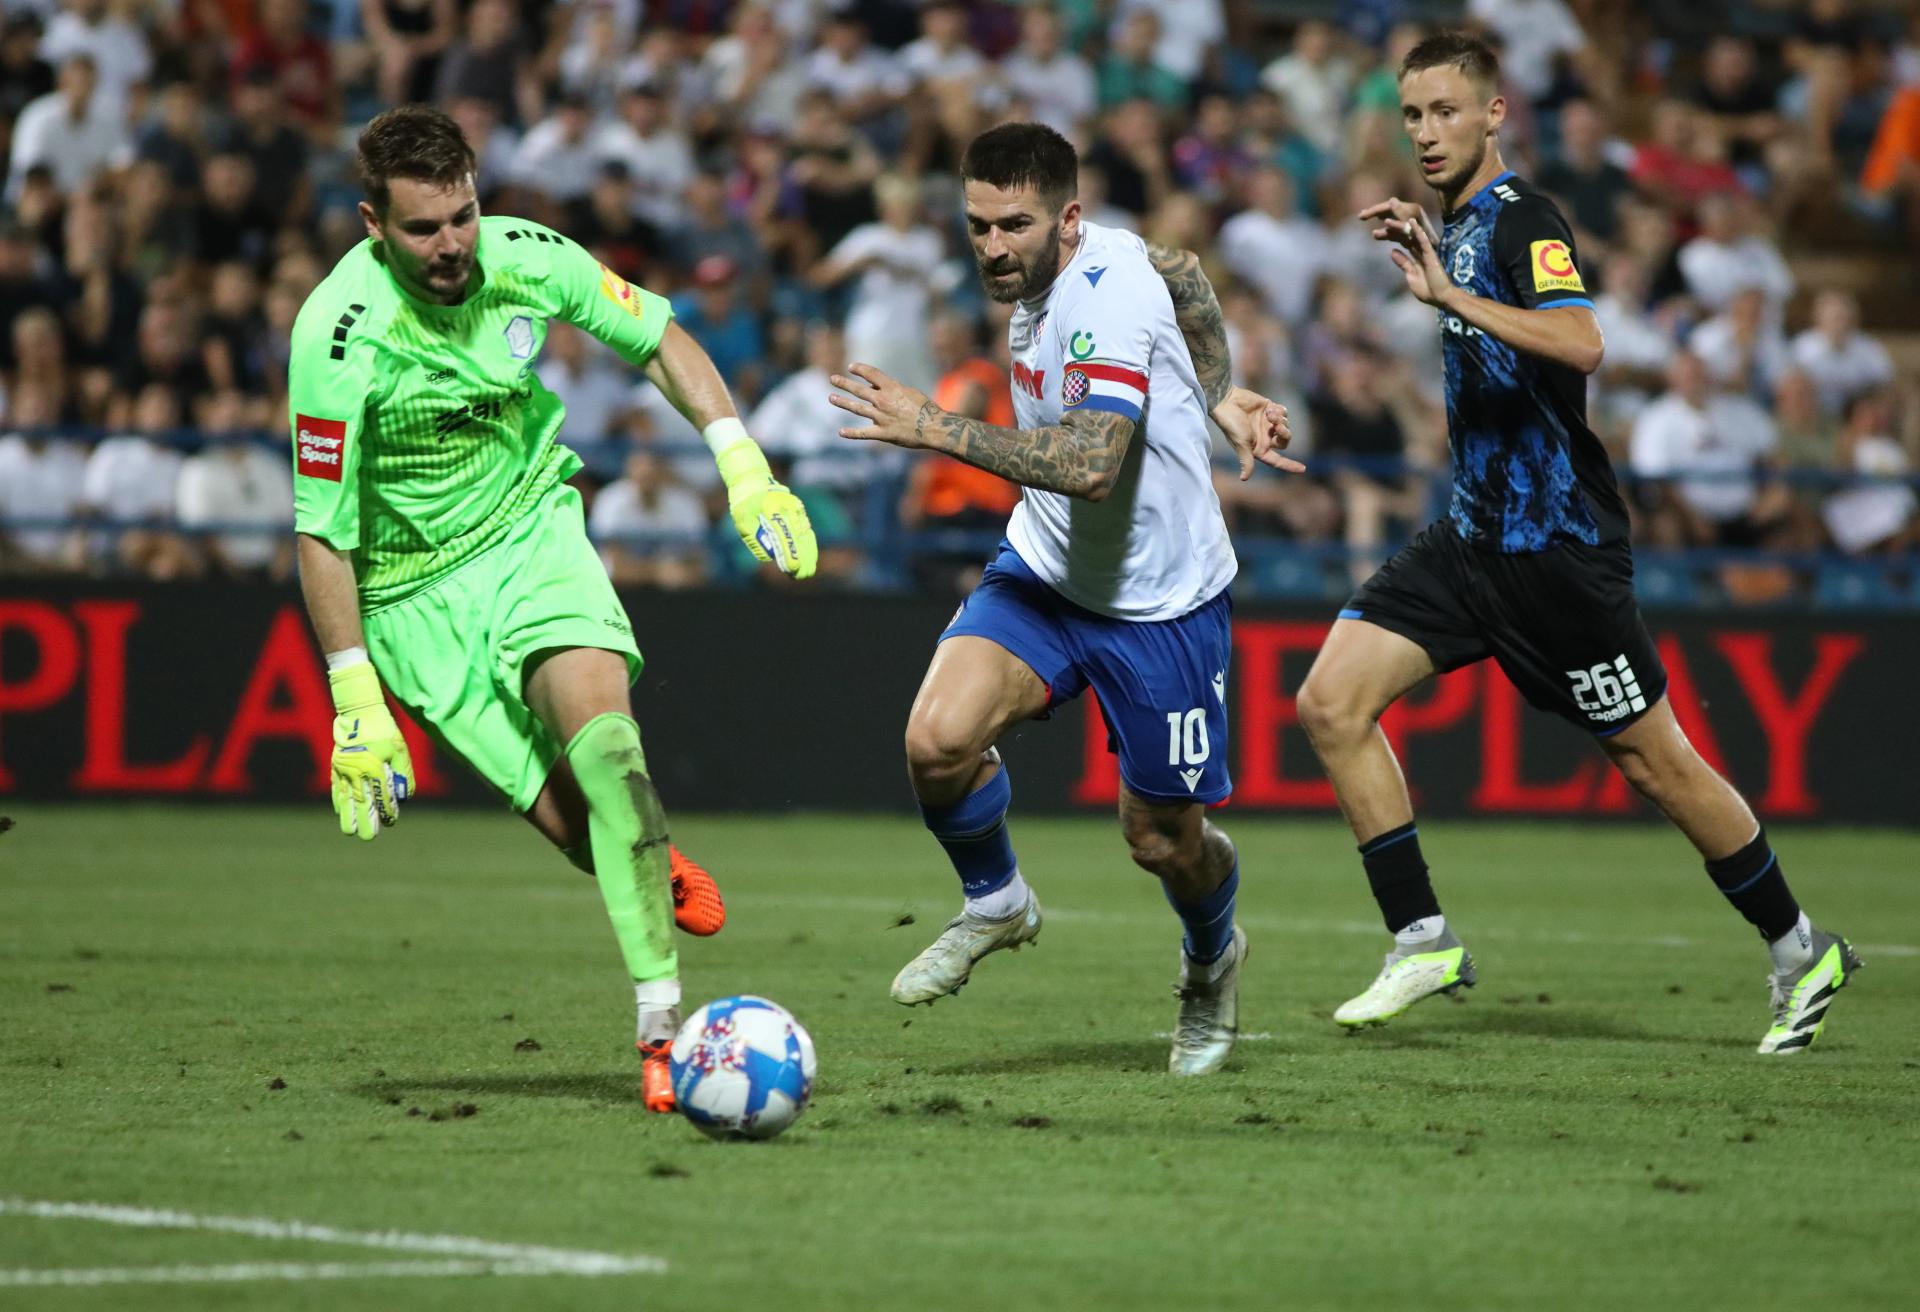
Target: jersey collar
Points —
{"points": [[1474, 199]]}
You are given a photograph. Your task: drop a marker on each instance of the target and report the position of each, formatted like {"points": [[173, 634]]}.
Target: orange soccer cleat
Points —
{"points": [[656, 1075], [697, 907]]}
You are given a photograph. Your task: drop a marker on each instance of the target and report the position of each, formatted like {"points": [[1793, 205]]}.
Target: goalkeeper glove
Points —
{"points": [[372, 770], [768, 517]]}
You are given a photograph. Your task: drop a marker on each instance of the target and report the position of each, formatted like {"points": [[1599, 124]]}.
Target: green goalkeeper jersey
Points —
{"points": [[420, 432]]}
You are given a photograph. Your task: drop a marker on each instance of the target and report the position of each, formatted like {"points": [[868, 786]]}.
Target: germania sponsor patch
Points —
{"points": [[319, 447], [620, 292], [1553, 269]]}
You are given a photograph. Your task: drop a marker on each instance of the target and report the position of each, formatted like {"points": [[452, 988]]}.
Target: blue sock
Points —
{"points": [[1209, 921], [974, 832]]}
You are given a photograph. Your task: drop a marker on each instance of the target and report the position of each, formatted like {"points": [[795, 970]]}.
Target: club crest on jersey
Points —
{"points": [[1039, 324], [1080, 345], [1553, 269], [1463, 266], [519, 335], [1074, 386]]}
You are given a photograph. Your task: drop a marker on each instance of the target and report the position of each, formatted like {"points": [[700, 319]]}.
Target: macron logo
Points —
{"points": [[1191, 778], [319, 445], [1093, 275]]}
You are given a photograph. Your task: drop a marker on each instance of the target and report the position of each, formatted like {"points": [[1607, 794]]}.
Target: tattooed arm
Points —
{"points": [[1078, 457], [1197, 310]]}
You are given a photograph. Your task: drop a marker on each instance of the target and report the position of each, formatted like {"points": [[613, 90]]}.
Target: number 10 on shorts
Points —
{"points": [[1187, 737], [1608, 690]]}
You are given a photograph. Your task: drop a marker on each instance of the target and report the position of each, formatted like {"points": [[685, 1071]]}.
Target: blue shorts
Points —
{"points": [[1162, 684]]}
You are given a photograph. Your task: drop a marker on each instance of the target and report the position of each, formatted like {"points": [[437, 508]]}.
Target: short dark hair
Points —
{"points": [[411, 141], [1021, 154], [1460, 50]]}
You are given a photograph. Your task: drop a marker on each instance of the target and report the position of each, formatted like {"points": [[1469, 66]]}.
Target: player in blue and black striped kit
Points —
{"points": [[1531, 565]]}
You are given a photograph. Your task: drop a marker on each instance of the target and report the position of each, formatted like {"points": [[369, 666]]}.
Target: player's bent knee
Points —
{"points": [[939, 747], [1330, 713]]}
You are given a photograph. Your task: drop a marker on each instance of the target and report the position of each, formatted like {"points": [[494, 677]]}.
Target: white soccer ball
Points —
{"points": [[742, 1068]]}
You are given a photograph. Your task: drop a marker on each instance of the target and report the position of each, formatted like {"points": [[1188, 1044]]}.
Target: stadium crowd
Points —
{"points": [[1744, 182]]}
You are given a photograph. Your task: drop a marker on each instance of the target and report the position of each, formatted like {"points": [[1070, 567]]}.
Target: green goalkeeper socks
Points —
{"points": [[627, 831]]}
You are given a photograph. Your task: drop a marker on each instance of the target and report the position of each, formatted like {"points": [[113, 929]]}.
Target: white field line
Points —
{"points": [[482, 1256], [1293, 924]]}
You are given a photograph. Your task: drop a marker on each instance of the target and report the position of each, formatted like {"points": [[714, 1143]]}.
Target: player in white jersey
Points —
{"points": [[1114, 576]]}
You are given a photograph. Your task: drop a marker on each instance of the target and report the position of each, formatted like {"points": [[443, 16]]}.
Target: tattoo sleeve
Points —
{"points": [[1197, 310], [1078, 457]]}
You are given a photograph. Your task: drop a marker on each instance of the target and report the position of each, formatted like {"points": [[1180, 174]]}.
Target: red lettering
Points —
{"points": [[1099, 782], [285, 697], [1615, 795], [1031, 381], [1501, 787], [1449, 702], [1785, 719], [1267, 711], [56, 661], [105, 768]]}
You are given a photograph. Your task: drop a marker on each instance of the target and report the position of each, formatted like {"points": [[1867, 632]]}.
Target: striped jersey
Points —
{"points": [[1103, 337], [420, 431]]}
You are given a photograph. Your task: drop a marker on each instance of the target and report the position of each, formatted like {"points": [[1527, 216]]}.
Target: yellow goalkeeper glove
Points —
{"points": [[768, 517], [372, 769]]}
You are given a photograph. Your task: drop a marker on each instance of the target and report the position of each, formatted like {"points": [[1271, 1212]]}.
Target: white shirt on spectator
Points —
{"points": [[796, 421], [39, 484], [1634, 342], [1841, 373], [1718, 346], [1189, 29], [1282, 257], [238, 484], [119, 50], [925, 61], [76, 152], [887, 321], [771, 102], [1351, 253], [1860, 517], [692, 464], [1534, 33], [1315, 96], [619, 511], [661, 166], [871, 71], [558, 169], [1718, 271], [1061, 92], [594, 396], [1726, 439]]}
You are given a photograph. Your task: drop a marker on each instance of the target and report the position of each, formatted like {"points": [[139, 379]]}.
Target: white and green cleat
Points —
{"points": [[1441, 966], [1801, 998], [948, 961], [1209, 1010]]}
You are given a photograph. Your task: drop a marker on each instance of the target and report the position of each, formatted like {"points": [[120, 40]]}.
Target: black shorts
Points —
{"points": [[1563, 623]]}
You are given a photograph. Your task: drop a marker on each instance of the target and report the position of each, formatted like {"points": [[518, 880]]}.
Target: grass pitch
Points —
{"points": [[239, 1013]]}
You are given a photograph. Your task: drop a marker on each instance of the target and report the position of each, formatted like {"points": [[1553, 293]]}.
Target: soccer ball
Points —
{"points": [[742, 1068]]}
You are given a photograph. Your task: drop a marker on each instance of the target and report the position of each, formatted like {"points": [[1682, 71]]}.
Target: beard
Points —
{"points": [[1033, 278], [1459, 178]]}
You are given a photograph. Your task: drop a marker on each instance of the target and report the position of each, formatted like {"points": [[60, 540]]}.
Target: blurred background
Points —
{"points": [[1743, 179]]}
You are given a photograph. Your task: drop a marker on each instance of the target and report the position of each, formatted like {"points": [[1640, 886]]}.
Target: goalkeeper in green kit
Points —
{"points": [[442, 552]]}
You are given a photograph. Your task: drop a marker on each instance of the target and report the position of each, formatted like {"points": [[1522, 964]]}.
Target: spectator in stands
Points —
{"points": [[234, 483], [1540, 40], [755, 81], [175, 138], [1740, 100], [718, 316], [1349, 251], [669, 520], [235, 332], [827, 183], [1272, 247], [1743, 350], [1132, 71], [1709, 456], [1891, 173], [893, 261], [165, 355], [115, 43], [658, 157], [712, 229], [25, 73], [589, 381], [1209, 160], [1842, 361], [129, 487], [1639, 347], [408, 37], [943, 73], [1588, 183], [866, 82], [40, 478], [604, 222], [944, 493], [74, 130], [234, 220], [1874, 517], [1684, 161], [560, 157], [1730, 255], [1057, 84], [1314, 80], [1189, 30], [301, 65], [277, 151], [1368, 414], [1809, 436], [488, 62], [1131, 155], [102, 300]]}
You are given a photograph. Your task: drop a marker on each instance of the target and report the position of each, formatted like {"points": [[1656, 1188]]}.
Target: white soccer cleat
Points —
{"points": [[1801, 998], [948, 960], [1440, 966], [1209, 1010]]}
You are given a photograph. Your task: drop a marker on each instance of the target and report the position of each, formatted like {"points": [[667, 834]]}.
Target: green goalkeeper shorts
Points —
{"points": [[455, 654]]}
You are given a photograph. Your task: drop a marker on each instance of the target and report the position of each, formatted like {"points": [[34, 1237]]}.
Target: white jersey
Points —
{"points": [[1104, 338]]}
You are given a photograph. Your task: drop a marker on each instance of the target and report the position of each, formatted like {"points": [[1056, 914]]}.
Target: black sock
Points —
{"points": [[1398, 874], [1752, 880]]}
